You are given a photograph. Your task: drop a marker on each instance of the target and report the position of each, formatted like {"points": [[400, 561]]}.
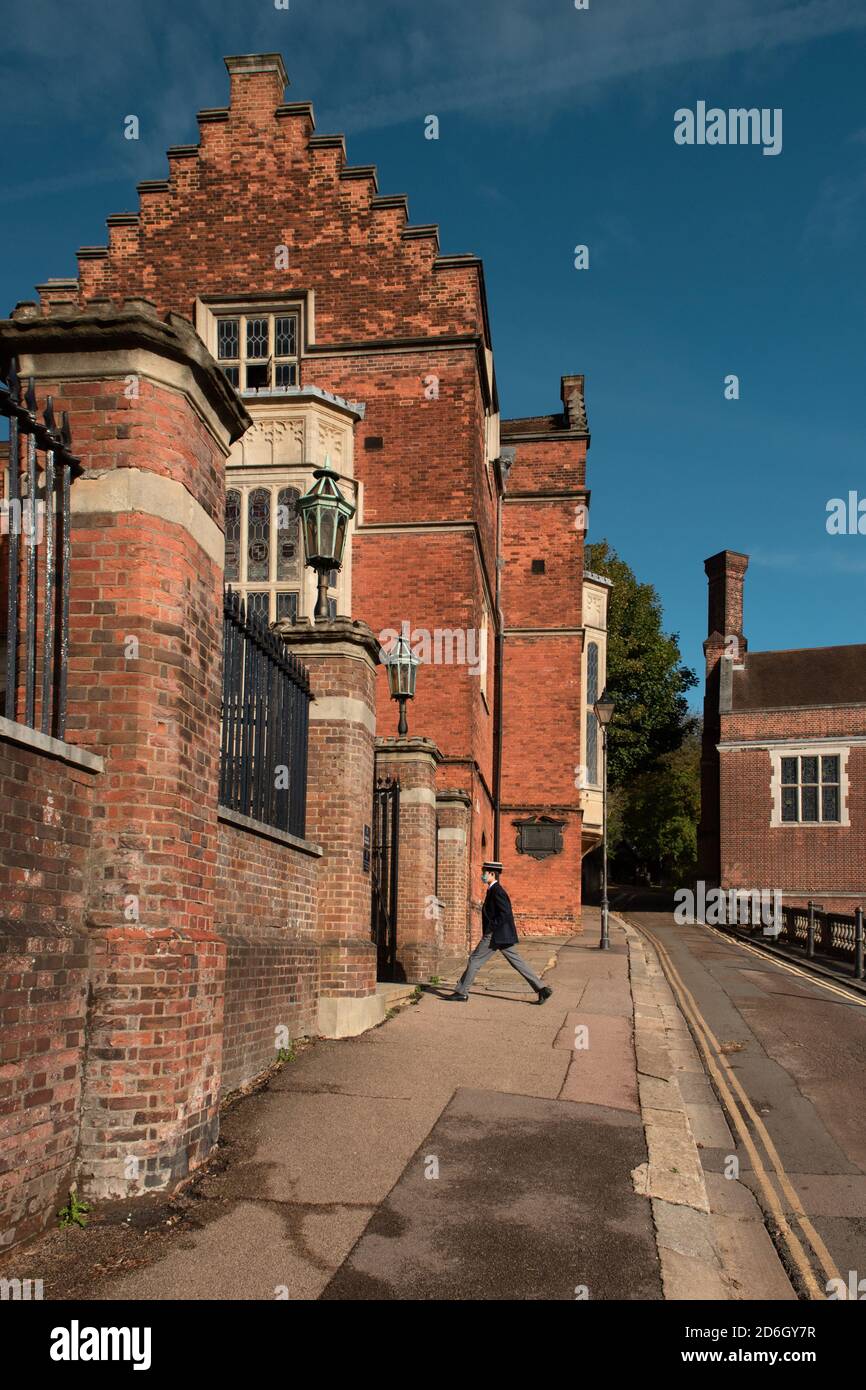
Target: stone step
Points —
{"points": [[395, 995]]}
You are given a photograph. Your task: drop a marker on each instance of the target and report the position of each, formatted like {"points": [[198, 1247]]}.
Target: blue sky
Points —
{"points": [[556, 128]]}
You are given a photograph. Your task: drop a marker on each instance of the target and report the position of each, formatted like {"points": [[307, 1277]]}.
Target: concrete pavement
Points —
{"points": [[496, 1149]]}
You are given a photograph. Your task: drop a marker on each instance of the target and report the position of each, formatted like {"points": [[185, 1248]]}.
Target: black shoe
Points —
{"points": [[544, 994], [456, 998]]}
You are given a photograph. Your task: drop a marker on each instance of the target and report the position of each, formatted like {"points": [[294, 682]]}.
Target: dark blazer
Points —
{"points": [[498, 918]]}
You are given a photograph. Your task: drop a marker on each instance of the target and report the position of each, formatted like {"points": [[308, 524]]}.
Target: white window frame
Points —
{"points": [[242, 311], [251, 481], [808, 750]]}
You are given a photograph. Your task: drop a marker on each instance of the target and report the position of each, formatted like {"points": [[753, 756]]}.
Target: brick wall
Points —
{"points": [[817, 861], [543, 700], [46, 808], [391, 315], [266, 907], [341, 658], [453, 816], [740, 847], [145, 651]]}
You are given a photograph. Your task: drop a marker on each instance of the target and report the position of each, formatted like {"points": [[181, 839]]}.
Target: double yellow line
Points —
{"points": [[739, 1108]]}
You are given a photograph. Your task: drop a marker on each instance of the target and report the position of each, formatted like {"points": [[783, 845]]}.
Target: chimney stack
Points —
{"points": [[258, 84], [725, 573], [574, 404]]}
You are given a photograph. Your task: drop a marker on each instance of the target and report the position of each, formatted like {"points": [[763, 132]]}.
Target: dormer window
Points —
{"points": [[259, 351]]}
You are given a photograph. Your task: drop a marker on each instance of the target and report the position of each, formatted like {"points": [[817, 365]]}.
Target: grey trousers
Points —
{"points": [[482, 953]]}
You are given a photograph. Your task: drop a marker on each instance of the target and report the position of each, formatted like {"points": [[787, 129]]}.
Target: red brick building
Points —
{"points": [[349, 335], [161, 944], [783, 784]]}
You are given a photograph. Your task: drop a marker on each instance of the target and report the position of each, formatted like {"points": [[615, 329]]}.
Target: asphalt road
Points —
{"points": [[786, 1054]]}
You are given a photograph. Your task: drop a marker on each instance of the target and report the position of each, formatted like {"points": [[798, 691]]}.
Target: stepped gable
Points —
{"points": [[261, 178]]}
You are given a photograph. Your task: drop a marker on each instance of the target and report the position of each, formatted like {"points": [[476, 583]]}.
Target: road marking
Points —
{"points": [[712, 1053], [787, 965]]}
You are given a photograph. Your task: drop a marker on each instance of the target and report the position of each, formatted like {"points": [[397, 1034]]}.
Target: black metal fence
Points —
{"points": [[265, 723], [385, 874], [34, 573], [817, 933]]}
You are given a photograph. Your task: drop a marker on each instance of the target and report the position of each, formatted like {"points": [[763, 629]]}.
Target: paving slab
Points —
{"points": [[532, 1202], [254, 1251]]}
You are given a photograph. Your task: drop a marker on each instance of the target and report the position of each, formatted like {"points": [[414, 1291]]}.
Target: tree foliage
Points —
{"points": [[653, 835], [645, 673]]}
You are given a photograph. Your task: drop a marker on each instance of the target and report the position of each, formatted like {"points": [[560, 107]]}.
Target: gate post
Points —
{"points": [[420, 924], [454, 816], [341, 656], [153, 420]]}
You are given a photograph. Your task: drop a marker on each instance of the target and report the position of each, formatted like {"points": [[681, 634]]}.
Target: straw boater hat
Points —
{"points": [[492, 865]]}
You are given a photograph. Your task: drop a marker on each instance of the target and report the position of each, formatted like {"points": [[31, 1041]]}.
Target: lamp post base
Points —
{"points": [[604, 942]]}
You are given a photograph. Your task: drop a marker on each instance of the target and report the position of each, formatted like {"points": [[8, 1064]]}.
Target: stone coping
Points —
{"points": [[134, 324], [454, 794], [52, 747], [268, 832], [411, 746], [305, 634]]}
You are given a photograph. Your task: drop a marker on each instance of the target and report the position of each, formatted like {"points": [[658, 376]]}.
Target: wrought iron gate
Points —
{"points": [[384, 873]]}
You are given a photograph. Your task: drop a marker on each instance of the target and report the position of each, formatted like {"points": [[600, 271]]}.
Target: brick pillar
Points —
{"points": [[152, 420], [420, 925], [454, 817], [341, 657]]}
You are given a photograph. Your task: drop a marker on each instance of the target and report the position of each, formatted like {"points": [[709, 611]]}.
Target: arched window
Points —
{"points": [[233, 536], [264, 556], [258, 535], [288, 537], [591, 720]]}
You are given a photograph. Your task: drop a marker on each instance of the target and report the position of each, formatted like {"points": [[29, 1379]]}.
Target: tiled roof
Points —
{"points": [[809, 676]]}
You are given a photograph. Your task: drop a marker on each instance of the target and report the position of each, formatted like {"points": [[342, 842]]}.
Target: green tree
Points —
{"points": [[657, 816], [645, 672]]}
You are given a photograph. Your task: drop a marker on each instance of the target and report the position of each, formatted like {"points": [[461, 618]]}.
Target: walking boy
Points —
{"points": [[498, 934]]}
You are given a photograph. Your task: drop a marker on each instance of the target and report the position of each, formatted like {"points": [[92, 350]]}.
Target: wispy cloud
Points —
{"points": [[380, 61], [846, 558], [548, 55], [370, 66], [836, 217], [63, 183]]}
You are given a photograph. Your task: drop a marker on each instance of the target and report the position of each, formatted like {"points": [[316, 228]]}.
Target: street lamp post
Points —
{"points": [[402, 667], [604, 713], [325, 515]]}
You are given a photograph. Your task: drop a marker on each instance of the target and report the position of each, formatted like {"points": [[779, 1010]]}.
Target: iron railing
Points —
{"points": [[817, 933], [385, 875], [265, 723], [34, 571]]}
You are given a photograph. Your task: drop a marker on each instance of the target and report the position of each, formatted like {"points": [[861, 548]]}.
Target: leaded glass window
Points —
{"points": [[288, 534], [259, 351], [287, 604], [286, 336], [591, 719], [233, 536], [830, 798], [264, 549], [228, 339], [257, 337], [258, 534], [810, 789], [259, 605]]}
